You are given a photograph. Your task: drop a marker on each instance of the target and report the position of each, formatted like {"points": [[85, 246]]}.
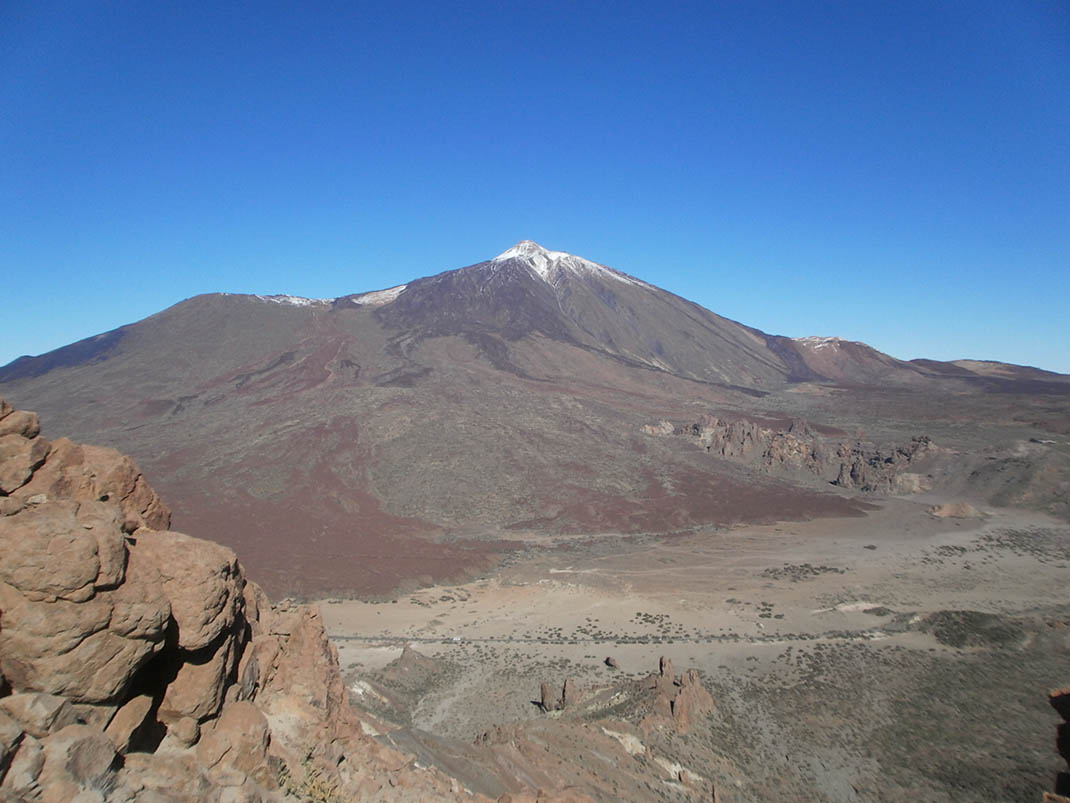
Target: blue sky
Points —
{"points": [[897, 173]]}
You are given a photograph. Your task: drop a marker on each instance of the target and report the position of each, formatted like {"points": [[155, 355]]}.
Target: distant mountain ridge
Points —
{"points": [[529, 290]]}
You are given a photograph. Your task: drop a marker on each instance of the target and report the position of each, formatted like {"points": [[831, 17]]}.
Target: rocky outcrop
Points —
{"points": [[875, 470], [570, 693], [676, 699], [141, 664], [670, 700], [548, 699], [799, 448]]}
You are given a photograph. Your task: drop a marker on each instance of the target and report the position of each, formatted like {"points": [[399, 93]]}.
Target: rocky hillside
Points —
{"points": [[140, 664]]}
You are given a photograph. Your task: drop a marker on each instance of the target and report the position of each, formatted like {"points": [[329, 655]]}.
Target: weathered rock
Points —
{"points": [[248, 676], [128, 722], [201, 580], [258, 610], [166, 778], [665, 668], [75, 757], [611, 662], [39, 714], [237, 740], [11, 734], [691, 701], [570, 693], [548, 699], [94, 473], [24, 770], [185, 731], [87, 651], [20, 422], [19, 459], [200, 682], [97, 715], [62, 550]]}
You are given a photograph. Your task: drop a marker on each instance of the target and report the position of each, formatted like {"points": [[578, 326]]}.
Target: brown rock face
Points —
{"points": [[691, 701], [71, 626], [39, 714], [117, 637], [20, 422], [676, 701], [202, 581], [665, 668], [570, 693], [548, 699], [76, 758], [20, 781], [238, 740], [128, 722], [19, 458], [94, 473]]}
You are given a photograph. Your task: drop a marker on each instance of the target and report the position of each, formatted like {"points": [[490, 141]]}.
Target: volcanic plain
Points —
{"points": [[903, 655]]}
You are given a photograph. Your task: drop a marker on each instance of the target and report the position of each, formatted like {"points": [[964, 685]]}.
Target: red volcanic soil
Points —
{"points": [[687, 498], [327, 553], [321, 535]]}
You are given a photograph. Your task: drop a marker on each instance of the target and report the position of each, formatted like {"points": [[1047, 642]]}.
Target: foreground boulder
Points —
{"points": [[141, 664]]}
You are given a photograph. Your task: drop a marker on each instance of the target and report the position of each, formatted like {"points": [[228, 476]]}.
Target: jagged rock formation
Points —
{"points": [[876, 471], [677, 699], [800, 448], [548, 700], [120, 638], [666, 698]]}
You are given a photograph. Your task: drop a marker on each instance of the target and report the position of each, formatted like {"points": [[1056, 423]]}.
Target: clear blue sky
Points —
{"points": [[897, 173]]}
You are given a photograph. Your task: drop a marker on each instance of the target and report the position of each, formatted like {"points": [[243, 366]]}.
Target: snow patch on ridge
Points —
{"points": [[547, 264], [817, 343], [295, 301], [377, 298]]}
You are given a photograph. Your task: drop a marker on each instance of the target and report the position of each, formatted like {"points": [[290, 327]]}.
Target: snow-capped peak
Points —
{"points": [[545, 263]]}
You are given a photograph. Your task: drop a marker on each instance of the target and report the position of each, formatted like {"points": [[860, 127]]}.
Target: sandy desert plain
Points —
{"points": [[891, 657]]}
